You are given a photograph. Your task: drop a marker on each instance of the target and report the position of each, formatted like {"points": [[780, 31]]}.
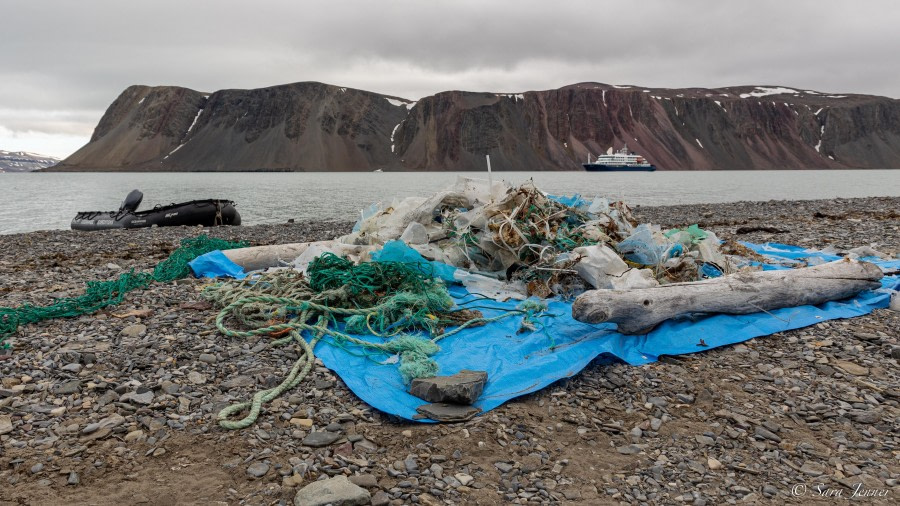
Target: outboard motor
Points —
{"points": [[131, 202]]}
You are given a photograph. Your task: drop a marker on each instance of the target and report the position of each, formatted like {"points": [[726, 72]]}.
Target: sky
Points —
{"points": [[62, 62]]}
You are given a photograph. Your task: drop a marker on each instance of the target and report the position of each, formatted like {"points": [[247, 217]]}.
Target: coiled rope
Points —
{"points": [[306, 311]]}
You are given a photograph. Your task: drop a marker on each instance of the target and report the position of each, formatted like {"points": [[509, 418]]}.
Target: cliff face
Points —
{"points": [[314, 126]]}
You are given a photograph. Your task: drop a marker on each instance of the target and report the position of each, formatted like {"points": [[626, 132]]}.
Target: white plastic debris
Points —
{"points": [[491, 287], [301, 263], [509, 242], [646, 245], [415, 233], [316, 249], [866, 251], [599, 265], [710, 254]]}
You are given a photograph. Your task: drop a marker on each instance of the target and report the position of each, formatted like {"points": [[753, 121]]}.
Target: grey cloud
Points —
{"points": [[80, 55]]}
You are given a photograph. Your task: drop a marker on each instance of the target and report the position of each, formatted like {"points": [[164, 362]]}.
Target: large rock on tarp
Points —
{"points": [[337, 491], [463, 387]]}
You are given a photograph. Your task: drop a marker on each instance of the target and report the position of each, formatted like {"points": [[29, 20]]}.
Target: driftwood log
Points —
{"points": [[262, 257], [278, 255], [638, 311]]}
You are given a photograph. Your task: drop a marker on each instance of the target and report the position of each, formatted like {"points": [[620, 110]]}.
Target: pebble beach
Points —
{"points": [[119, 406]]}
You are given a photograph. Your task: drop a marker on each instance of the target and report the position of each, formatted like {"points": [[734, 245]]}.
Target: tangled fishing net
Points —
{"points": [[100, 294], [400, 304]]}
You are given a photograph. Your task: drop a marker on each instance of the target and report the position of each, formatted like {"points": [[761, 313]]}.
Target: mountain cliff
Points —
{"points": [[313, 126]]}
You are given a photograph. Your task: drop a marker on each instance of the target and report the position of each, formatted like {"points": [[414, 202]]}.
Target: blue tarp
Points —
{"points": [[398, 251], [521, 363], [216, 265]]}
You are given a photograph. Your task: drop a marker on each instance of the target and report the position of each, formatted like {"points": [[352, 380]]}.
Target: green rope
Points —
{"points": [[100, 294], [329, 271], [260, 314]]}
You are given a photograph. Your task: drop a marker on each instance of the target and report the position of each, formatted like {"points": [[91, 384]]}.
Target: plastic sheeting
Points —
{"points": [[521, 363], [397, 251], [216, 265]]}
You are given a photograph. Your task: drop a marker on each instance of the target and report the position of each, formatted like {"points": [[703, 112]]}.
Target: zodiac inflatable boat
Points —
{"points": [[208, 213]]}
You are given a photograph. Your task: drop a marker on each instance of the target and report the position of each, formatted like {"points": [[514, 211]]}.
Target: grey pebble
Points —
{"points": [[767, 434], [258, 469], [317, 439]]}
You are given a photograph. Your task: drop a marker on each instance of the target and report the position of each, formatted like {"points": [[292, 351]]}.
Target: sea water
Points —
{"points": [[41, 201]]}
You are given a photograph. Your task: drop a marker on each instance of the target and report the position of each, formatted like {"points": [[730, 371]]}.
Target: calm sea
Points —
{"points": [[49, 201]]}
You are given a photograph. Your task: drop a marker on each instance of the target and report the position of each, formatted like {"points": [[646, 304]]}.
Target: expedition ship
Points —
{"points": [[621, 160]]}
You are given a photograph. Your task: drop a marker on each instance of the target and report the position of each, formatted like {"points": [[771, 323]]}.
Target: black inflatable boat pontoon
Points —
{"points": [[208, 213]]}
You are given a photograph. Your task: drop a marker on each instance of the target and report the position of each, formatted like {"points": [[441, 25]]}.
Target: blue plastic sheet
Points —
{"points": [[398, 251], [365, 214], [570, 200], [216, 265], [521, 363], [787, 253], [641, 247]]}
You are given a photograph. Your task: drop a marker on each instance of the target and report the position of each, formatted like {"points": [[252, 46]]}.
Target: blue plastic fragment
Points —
{"points": [[216, 265]]}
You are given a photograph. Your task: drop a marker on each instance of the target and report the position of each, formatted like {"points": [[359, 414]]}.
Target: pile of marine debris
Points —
{"points": [[542, 245], [513, 242]]}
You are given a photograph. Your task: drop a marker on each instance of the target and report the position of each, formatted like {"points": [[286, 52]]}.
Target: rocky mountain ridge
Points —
{"points": [[22, 161], [313, 126]]}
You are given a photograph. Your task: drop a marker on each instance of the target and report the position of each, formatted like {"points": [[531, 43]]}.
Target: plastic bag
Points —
{"points": [[599, 264], [490, 287], [415, 233], [365, 214], [687, 236], [710, 253], [646, 246]]}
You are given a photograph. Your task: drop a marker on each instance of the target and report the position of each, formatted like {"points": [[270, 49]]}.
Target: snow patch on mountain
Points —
{"points": [[762, 91], [23, 161]]}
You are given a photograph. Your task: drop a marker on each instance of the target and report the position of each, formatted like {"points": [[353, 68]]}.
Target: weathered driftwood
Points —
{"points": [[278, 255], [638, 311], [261, 257]]}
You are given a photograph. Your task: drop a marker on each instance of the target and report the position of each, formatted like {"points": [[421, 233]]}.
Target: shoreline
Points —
{"points": [[744, 422], [49, 170], [661, 213]]}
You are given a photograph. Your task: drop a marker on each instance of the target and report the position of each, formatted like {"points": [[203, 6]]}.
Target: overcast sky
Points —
{"points": [[63, 62]]}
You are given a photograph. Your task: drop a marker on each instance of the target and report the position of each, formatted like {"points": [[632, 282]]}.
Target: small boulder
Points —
{"points": [[319, 439], [134, 330], [364, 480], [258, 469], [6, 425], [109, 422], [196, 378], [66, 387], [337, 491], [143, 398], [463, 387], [851, 368]]}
